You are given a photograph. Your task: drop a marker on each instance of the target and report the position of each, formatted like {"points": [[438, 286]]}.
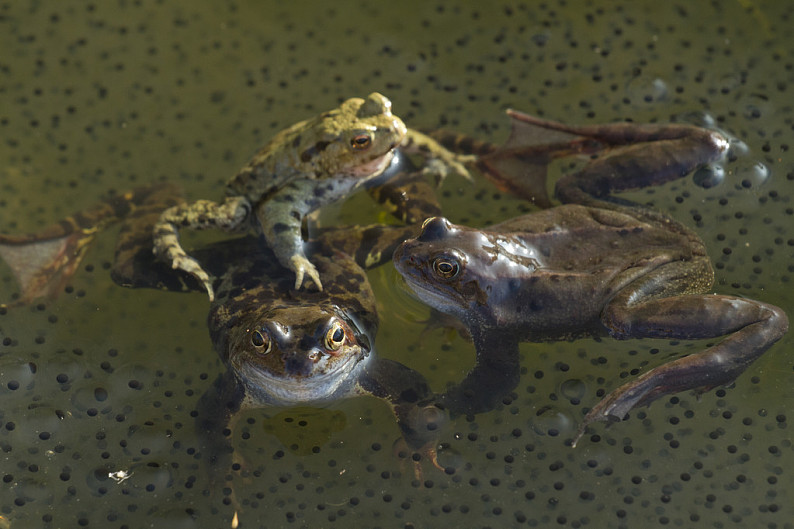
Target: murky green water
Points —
{"points": [[98, 387]]}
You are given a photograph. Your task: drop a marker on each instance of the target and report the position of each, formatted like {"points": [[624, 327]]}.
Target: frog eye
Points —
{"points": [[335, 337], [360, 142], [261, 341], [445, 267]]}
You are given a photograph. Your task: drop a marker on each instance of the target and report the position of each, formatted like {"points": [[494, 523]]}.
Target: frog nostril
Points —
{"points": [[297, 365]]}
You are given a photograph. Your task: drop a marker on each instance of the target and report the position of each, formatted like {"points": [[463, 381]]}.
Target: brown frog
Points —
{"points": [[280, 346], [597, 266]]}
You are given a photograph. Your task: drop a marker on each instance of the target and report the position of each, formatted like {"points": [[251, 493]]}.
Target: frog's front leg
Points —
{"points": [[440, 162], [658, 306], [495, 374], [407, 392], [409, 197], [281, 217], [200, 215]]}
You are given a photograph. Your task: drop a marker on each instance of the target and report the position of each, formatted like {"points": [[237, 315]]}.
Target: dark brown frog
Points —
{"points": [[595, 265]]}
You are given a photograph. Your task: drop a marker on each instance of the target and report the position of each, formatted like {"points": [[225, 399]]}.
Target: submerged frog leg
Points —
{"points": [[44, 262], [370, 245], [134, 264], [629, 156], [494, 376], [439, 162], [200, 215], [407, 392], [662, 305], [408, 197], [216, 414]]}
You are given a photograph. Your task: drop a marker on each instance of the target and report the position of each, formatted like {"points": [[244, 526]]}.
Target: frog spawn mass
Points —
{"points": [[518, 251], [722, 460]]}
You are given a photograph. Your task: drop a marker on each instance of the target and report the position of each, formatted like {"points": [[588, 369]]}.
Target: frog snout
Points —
{"points": [[298, 365]]}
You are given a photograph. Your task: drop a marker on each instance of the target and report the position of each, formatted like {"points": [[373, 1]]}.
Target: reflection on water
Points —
{"points": [[98, 388]]}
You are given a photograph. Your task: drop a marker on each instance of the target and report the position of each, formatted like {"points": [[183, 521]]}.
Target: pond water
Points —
{"points": [[99, 386]]}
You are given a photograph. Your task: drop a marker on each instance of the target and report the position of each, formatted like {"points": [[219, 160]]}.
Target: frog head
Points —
{"points": [[356, 140], [434, 265], [296, 353]]}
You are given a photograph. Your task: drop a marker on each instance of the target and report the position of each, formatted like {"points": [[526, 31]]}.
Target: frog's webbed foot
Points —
{"points": [[421, 426], [45, 261], [417, 456], [615, 406], [302, 266], [44, 267]]}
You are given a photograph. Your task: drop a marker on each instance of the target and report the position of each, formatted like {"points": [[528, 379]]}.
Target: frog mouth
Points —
{"points": [[374, 167], [287, 389], [414, 281]]}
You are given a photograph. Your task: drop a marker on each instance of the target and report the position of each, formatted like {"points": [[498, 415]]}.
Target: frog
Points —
{"points": [[45, 261], [280, 346], [305, 166], [284, 347], [594, 265]]}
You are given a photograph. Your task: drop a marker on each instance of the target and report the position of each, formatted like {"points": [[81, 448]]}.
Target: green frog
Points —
{"points": [[595, 265], [310, 164]]}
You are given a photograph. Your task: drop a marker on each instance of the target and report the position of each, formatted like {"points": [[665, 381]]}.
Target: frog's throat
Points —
{"points": [[263, 388]]}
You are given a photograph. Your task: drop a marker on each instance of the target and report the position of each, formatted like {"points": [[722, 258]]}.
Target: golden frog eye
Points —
{"points": [[360, 142], [335, 337], [446, 267], [261, 341]]}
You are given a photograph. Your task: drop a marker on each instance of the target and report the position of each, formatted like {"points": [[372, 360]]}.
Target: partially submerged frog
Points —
{"points": [[308, 165], [285, 347], [600, 266], [281, 346]]}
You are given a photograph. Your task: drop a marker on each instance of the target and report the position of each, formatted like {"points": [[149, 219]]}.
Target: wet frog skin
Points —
{"points": [[308, 165], [280, 346], [601, 268], [285, 347]]}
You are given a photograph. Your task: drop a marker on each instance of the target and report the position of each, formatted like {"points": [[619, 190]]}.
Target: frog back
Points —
{"points": [[588, 239]]}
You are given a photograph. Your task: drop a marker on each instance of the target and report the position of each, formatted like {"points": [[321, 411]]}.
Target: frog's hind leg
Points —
{"points": [[231, 215], [44, 262], [660, 305], [623, 156], [44, 266]]}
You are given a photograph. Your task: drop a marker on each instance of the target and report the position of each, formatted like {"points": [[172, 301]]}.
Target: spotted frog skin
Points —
{"points": [[310, 164], [594, 266], [280, 346]]}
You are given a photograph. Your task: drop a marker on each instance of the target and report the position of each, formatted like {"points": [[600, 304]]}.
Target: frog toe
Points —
{"points": [[614, 407], [303, 266], [191, 266], [441, 169]]}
